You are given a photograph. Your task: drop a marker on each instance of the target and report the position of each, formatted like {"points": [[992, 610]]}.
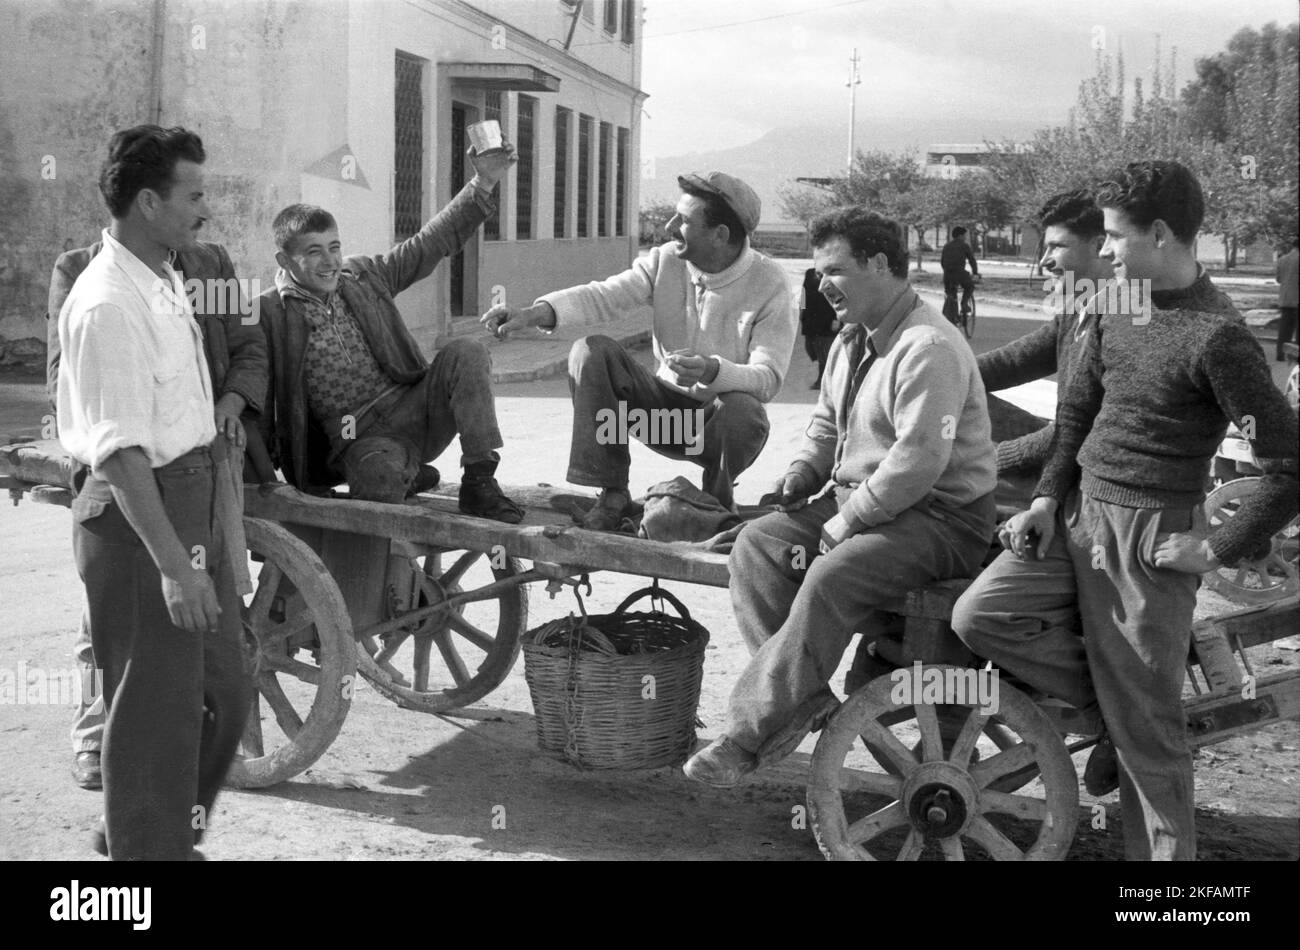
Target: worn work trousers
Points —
{"points": [[177, 701], [416, 423], [602, 375], [1094, 621], [798, 610]]}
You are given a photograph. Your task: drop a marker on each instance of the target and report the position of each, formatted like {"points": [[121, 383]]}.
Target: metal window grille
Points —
{"points": [[524, 170], [602, 210], [584, 175], [408, 156], [611, 16], [561, 170], [629, 17], [621, 184], [492, 226]]}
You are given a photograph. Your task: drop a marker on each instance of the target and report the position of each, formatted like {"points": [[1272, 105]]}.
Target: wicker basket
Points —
{"points": [[617, 691]]}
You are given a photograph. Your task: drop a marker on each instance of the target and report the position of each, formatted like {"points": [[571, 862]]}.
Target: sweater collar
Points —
{"points": [[1192, 297], [723, 277]]}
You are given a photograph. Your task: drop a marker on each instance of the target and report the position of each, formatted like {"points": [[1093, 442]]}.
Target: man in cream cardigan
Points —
{"points": [[724, 329]]}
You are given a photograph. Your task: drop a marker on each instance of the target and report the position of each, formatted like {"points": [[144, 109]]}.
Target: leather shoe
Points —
{"points": [[721, 764], [1101, 774], [607, 513], [85, 770], [426, 479]]}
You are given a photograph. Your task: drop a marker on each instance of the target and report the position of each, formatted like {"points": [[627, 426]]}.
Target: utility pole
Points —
{"points": [[854, 81]]}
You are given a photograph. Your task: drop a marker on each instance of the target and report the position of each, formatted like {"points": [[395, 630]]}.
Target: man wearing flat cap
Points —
{"points": [[724, 328]]}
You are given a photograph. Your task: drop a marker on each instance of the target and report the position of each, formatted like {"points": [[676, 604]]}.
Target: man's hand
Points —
{"points": [[789, 494], [836, 531], [503, 320], [492, 166], [1029, 533], [227, 413], [191, 600], [688, 368], [1185, 551]]}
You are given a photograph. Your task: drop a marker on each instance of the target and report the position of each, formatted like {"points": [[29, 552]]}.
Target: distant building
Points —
{"points": [[949, 161], [356, 105]]}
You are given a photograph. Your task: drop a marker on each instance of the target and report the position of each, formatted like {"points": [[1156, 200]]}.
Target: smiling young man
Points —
{"points": [[724, 330], [1073, 234], [135, 406], [899, 466], [1093, 600], [354, 399]]}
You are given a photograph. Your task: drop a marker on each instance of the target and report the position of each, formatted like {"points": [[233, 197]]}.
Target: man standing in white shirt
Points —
{"points": [[724, 329], [135, 405]]}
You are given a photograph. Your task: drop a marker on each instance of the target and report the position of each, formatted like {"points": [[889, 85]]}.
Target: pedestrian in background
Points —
{"points": [[1288, 296], [817, 322]]}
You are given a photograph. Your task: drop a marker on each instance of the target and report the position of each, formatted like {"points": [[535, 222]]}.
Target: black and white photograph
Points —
{"points": [[651, 430]]}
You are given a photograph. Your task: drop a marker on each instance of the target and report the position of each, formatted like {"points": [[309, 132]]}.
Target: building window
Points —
{"points": [[629, 16], [587, 13], [561, 171], [524, 170], [408, 153], [492, 226], [602, 192], [584, 175], [621, 184], [611, 17]]}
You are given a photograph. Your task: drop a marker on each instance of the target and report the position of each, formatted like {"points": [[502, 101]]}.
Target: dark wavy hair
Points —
{"points": [[1076, 211], [1148, 190], [867, 234], [145, 156], [300, 219]]}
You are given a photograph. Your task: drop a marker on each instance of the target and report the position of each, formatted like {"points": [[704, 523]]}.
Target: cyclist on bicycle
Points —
{"points": [[953, 258]]}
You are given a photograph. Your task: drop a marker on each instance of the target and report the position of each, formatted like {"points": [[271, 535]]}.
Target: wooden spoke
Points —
{"points": [[391, 645], [964, 744], [952, 850], [912, 847], [295, 668], [1022, 806], [882, 738], [268, 585], [470, 632], [993, 841], [927, 720], [286, 717], [877, 783], [423, 647], [280, 634], [1003, 764], [251, 744], [864, 829], [451, 577], [452, 658]]}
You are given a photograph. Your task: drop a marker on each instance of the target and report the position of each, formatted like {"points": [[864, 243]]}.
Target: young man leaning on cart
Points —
{"points": [[899, 467], [1093, 600], [150, 536], [353, 398], [724, 330]]}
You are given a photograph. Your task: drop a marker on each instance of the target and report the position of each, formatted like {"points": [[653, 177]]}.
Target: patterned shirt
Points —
{"points": [[343, 376]]}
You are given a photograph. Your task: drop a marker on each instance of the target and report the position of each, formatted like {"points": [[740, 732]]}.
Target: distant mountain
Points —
{"points": [[817, 151]]}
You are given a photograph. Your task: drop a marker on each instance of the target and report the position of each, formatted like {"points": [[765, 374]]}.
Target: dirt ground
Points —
{"points": [[397, 784]]}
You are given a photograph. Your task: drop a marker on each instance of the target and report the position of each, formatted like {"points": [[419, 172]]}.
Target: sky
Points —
{"points": [[716, 81]]}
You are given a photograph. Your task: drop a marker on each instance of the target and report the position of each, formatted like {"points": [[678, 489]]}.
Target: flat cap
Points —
{"points": [[738, 196]]}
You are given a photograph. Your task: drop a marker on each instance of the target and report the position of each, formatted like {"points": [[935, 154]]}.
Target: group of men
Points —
{"points": [[893, 487]]}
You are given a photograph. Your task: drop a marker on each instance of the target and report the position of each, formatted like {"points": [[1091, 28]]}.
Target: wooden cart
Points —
{"points": [[429, 606]]}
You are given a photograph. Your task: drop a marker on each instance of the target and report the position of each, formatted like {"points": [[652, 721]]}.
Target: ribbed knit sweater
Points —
{"points": [[1149, 402]]}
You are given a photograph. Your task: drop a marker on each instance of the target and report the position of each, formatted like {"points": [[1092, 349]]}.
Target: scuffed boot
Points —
{"points": [[607, 513], [480, 495]]}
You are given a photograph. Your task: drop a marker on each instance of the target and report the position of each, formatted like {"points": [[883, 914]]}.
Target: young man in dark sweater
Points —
{"points": [[1073, 235], [1093, 601]]}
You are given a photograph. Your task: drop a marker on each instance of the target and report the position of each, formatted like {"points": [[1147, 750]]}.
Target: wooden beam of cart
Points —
{"points": [[435, 521]]}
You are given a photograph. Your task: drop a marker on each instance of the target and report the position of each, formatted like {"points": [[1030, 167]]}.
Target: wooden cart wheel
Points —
{"points": [[299, 645], [1271, 578], [453, 659], [938, 798]]}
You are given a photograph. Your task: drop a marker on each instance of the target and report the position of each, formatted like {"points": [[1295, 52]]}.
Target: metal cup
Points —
{"points": [[485, 136]]}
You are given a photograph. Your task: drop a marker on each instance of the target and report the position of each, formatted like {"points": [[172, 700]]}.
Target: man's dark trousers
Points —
{"points": [[602, 374], [177, 701]]}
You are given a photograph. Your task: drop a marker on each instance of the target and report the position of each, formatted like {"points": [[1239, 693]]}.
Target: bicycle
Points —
{"points": [[965, 320]]}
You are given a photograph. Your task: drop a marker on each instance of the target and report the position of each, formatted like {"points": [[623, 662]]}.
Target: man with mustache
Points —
{"points": [[724, 330], [899, 467], [135, 406], [1092, 601]]}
